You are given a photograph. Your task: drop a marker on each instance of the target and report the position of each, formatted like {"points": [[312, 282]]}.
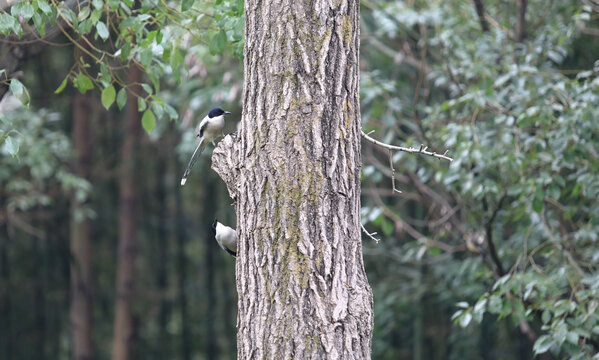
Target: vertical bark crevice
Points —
{"points": [[294, 171]]}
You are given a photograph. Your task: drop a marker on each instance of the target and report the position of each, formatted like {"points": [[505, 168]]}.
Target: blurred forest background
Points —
{"points": [[492, 256]]}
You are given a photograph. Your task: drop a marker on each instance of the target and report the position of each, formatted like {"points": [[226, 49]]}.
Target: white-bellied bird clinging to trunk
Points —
{"points": [[226, 237]]}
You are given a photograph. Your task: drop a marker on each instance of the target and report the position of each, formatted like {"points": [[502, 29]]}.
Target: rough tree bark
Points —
{"points": [[294, 171], [81, 270], [127, 245]]}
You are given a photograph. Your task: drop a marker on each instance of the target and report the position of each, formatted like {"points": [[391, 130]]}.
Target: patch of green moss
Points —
{"points": [[346, 29]]}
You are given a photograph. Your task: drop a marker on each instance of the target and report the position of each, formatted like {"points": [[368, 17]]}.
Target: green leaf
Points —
{"points": [[11, 145], [157, 108], [158, 99], [6, 23], [125, 51], [39, 23], [85, 27], [148, 121], [19, 91], [121, 98], [186, 5], [43, 5], [218, 43], [141, 104], [545, 316], [7, 121], [462, 304], [83, 14], [145, 57], [102, 30], [542, 344], [108, 95], [465, 319], [147, 88], [27, 10], [171, 111], [539, 199], [176, 60], [104, 73], [83, 83], [62, 85]]}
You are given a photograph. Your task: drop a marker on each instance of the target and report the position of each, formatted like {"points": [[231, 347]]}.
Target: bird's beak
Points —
{"points": [[226, 112]]}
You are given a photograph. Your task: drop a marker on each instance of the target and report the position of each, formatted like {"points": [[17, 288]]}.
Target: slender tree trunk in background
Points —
{"points": [[40, 288], [163, 347], [6, 331], [127, 243], [521, 21], [294, 171], [480, 12], [210, 253], [181, 235], [81, 270]]}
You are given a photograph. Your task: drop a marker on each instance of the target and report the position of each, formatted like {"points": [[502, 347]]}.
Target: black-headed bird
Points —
{"points": [[208, 130]]}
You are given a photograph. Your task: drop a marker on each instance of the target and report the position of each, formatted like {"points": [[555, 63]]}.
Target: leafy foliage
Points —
{"points": [[34, 177], [113, 35], [523, 136]]}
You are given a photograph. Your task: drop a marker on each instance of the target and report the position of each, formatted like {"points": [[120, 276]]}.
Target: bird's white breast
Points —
{"points": [[213, 127]]}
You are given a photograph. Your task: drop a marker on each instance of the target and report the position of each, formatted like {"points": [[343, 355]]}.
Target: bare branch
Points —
{"points": [[422, 149], [392, 172], [370, 235], [489, 232]]}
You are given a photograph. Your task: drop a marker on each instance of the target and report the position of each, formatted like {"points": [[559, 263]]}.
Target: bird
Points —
{"points": [[226, 237], [208, 130]]}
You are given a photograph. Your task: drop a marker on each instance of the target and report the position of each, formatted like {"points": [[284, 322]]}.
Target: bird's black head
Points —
{"points": [[217, 112], [214, 227]]}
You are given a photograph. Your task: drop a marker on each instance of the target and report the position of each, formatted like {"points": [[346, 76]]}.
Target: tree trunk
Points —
{"points": [[7, 337], [521, 20], [210, 253], [81, 269], [127, 245], [294, 171]]}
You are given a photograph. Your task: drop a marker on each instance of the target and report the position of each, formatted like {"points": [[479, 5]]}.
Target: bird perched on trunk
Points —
{"points": [[208, 130], [225, 237]]}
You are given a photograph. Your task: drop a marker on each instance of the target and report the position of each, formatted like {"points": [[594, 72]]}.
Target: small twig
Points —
{"points": [[392, 172], [422, 149], [370, 235], [489, 232]]}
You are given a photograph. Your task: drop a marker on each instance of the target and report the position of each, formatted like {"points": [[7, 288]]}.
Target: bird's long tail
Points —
{"points": [[192, 161]]}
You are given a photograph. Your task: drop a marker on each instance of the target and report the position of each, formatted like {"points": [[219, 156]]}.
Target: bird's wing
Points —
{"points": [[222, 246], [228, 250], [200, 128], [194, 158]]}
